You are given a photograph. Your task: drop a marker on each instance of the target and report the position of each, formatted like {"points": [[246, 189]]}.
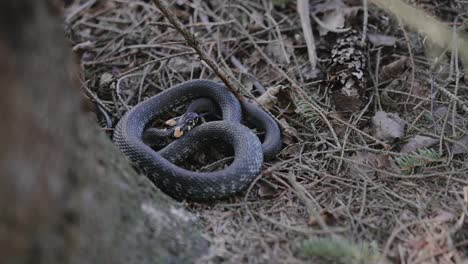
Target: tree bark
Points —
{"points": [[67, 195]]}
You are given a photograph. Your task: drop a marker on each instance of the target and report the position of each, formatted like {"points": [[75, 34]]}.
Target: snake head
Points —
{"points": [[183, 123]]}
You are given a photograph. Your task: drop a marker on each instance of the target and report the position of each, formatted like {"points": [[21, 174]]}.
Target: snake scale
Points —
{"points": [[183, 184]]}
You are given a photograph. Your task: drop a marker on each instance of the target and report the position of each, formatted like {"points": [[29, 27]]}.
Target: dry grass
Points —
{"points": [[319, 186]]}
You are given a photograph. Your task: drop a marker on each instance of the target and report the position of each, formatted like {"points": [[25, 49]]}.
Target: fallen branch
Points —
{"points": [[232, 83]]}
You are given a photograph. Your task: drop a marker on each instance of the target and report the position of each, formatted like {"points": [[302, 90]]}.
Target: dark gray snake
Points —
{"points": [[180, 183]]}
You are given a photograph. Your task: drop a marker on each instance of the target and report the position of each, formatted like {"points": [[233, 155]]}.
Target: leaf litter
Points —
{"points": [[350, 169]]}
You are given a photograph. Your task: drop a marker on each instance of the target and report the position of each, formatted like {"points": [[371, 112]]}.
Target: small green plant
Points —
{"points": [[340, 251], [306, 110], [420, 158]]}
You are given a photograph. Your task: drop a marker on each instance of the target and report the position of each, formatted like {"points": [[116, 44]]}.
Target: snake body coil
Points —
{"points": [[181, 183]]}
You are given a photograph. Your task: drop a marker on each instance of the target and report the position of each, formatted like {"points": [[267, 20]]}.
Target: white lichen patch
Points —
{"points": [[154, 214], [183, 214]]}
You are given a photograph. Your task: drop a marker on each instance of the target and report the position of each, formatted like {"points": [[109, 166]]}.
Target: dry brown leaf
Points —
{"points": [[105, 5], [430, 242], [266, 189], [442, 113], [290, 134], [352, 12], [332, 20], [293, 151], [382, 161], [394, 69], [421, 90], [370, 159], [418, 142], [328, 6], [339, 127], [381, 39], [269, 98], [327, 217], [461, 147], [364, 158], [331, 15], [275, 96], [387, 126]]}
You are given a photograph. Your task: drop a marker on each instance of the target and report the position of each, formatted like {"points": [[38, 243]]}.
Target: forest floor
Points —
{"points": [[389, 182]]}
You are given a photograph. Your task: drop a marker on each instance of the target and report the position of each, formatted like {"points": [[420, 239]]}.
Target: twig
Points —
{"points": [[365, 7], [70, 17], [453, 97], [303, 10], [232, 83], [256, 83], [151, 62], [280, 38], [411, 56], [306, 198]]}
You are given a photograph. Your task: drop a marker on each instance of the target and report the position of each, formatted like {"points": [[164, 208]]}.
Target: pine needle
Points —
{"points": [[420, 158], [303, 108]]}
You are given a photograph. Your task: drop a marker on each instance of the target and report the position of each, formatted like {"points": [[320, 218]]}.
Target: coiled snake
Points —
{"points": [[181, 183]]}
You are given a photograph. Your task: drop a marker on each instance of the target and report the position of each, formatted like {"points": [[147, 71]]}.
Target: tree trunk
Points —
{"points": [[67, 195]]}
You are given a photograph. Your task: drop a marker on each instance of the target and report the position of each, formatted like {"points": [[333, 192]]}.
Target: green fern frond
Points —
{"points": [[419, 158], [341, 251], [306, 110]]}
